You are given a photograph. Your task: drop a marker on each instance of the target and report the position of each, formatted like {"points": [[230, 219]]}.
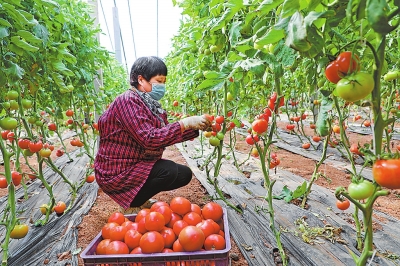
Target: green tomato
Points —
{"points": [[32, 120], [8, 123], [26, 103], [355, 87], [220, 135], [362, 190], [207, 51], [13, 105], [27, 152], [229, 96], [6, 105], [391, 75], [39, 123], [12, 95], [215, 48], [90, 102], [214, 141]]}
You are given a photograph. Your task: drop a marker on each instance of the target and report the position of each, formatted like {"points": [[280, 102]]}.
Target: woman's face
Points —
{"points": [[145, 86]]}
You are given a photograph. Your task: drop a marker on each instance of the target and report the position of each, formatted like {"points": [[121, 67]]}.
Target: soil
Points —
{"points": [[195, 192]]}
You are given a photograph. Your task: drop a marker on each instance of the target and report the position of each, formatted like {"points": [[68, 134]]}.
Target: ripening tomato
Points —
{"points": [[180, 205], [101, 247], [214, 242], [254, 152], [117, 247], [45, 153], [336, 129], [360, 191], [151, 242], [259, 125], [19, 231], [60, 207], [343, 205], [191, 238], [212, 210], [386, 173]]}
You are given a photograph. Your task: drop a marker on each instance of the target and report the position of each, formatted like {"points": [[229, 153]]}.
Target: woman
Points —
{"points": [[134, 131]]}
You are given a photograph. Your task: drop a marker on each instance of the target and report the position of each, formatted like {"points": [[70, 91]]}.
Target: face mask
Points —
{"points": [[157, 91]]}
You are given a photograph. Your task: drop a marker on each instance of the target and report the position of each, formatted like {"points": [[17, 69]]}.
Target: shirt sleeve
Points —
{"points": [[136, 118]]}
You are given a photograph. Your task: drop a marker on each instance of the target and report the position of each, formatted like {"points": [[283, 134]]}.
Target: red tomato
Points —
{"points": [[117, 247], [116, 217], [386, 173], [290, 127], [174, 217], [142, 214], [367, 123], [24, 143], [251, 139], [158, 204], [313, 126], [16, 177], [191, 238], [11, 136], [260, 125], [136, 250], [180, 205], [306, 146], [166, 212], [35, 146], [175, 103], [154, 221], [132, 238], [117, 233], [214, 242], [168, 236], [52, 127], [332, 72], [354, 149], [219, 119], [192, 218], [151, 242], [101, 247], [59, 153], [4, 134], [178, 226], [177, 247], [207, 227], [345, 59], [90, 178], [3, 182], [343, 205], [316, 138], [105, 230], [69, 113], [229, 113], [212, 210], [195, 208]]}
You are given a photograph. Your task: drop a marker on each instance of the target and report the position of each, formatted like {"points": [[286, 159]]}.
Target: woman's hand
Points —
{"points": [[196, 122]]}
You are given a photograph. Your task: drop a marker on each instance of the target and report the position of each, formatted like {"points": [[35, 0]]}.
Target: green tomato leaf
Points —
{"points": [[23, 44], [267, 5], [4, 22], [59, 66], [28, 36], [290, 7], [297, 34], [300, 190], [3, 32], [13, 70], [286, 194], [271, 36]]}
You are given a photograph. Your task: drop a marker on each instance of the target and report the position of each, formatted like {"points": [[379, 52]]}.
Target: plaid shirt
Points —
{"points": [[131, 141]]}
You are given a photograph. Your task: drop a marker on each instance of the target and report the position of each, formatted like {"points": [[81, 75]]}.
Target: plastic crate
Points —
{"points": [[198, 258]]}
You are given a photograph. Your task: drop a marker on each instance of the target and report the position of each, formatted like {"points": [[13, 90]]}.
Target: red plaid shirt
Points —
{"points": [[132, 139]]}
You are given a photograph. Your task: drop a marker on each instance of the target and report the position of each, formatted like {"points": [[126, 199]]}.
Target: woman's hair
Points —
{"points": [[147, 67]]}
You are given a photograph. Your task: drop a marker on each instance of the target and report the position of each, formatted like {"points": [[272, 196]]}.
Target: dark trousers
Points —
{"points": [[164, 176]]}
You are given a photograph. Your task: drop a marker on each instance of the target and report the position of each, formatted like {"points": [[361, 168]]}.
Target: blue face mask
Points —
{"points": [[157, 91]]}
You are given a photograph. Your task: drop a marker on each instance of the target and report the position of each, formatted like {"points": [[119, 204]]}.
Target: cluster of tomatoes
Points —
{"points": [[178, 226], [215, 135], [351, 84]]}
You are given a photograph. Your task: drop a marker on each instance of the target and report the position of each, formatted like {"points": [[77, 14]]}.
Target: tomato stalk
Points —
{"points": [[63, 144], [49, 190], [314, 176], [11, 220]]}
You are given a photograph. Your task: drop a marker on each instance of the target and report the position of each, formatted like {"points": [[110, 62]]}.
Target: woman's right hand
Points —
{"points": [[196, 122]]}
